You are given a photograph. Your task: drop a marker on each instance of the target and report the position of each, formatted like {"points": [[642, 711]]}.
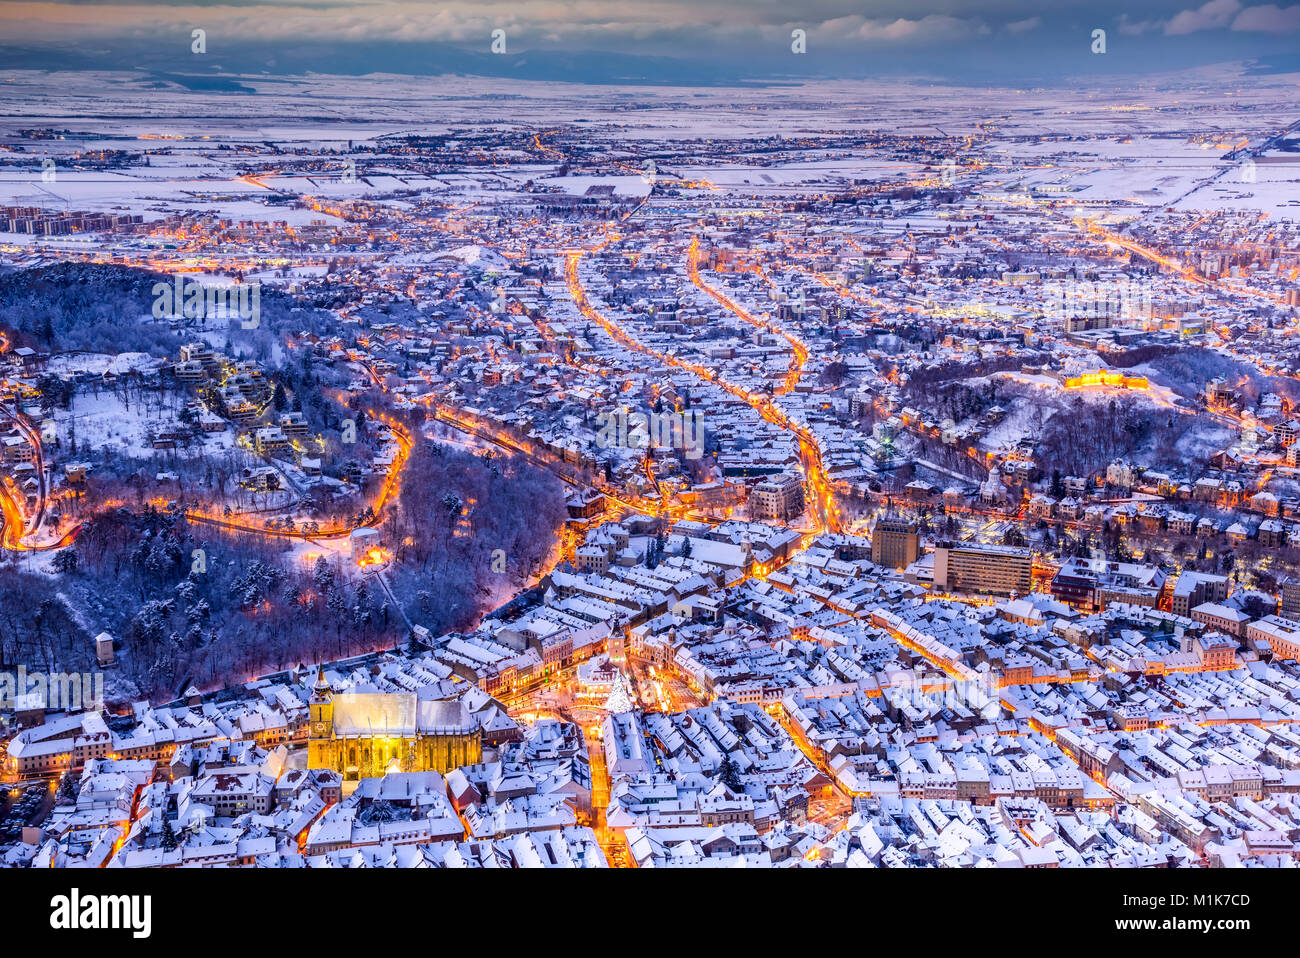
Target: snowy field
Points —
{"points": [[104, 423], [1130, 143]]}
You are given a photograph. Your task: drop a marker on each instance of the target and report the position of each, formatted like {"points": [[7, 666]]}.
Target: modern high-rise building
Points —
{"points": [[895, 542], [1194, 588], [777, 497], [974, 567], [1290, 589]]}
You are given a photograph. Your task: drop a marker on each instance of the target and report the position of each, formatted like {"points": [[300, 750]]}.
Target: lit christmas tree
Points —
{"points": [[618, 700]]}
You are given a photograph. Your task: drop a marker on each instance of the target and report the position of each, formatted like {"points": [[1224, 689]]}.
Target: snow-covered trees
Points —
{"points": [[454, 511], [250, 610], [65, 561]]}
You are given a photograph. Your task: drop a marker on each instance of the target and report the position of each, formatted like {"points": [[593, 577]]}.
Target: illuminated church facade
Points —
{"points": [[365, 734]]}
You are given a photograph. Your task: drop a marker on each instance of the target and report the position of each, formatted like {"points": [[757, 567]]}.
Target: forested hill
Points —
{"points": [[85, 306], [109, 308]]}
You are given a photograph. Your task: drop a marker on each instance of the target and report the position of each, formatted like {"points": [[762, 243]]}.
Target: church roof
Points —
{"points": [[444, 715], [398, 714], [374, 713]]}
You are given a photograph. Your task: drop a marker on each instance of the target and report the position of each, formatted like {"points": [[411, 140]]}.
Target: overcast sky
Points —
{"points": [[685, 40]]}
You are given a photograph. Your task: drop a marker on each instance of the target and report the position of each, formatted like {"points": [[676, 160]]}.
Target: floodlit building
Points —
{"points": [[363, 734]]}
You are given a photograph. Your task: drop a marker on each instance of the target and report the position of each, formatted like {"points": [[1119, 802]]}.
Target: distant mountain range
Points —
{"points": [[176, 64]]}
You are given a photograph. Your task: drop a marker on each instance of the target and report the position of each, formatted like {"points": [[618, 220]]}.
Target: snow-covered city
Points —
{"points": [[516, 470]]}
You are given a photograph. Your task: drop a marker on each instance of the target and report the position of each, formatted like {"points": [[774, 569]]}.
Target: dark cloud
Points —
{"points": [[674, 40]]}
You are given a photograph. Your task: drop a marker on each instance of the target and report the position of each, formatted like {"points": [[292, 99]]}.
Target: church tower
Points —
{"points": [[320, 732]]}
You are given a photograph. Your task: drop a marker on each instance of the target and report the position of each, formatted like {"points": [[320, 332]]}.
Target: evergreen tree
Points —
{"points": [[65, 561], [168, 835], [729, 774], [323, 576], [338, 608], [67, 788]]}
